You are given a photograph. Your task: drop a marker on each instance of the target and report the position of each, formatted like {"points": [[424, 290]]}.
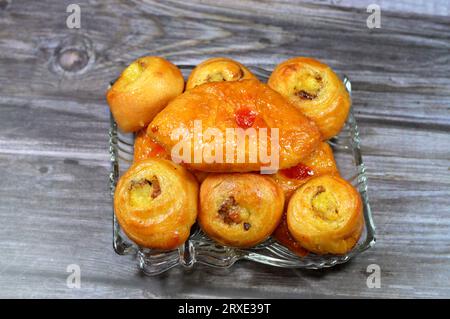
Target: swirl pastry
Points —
{"points": [[143, 89], [155, 203], [325, 215], [218, 70], [145, 147], [316, 90], [247, 106], [320, 162], [239, 210]]}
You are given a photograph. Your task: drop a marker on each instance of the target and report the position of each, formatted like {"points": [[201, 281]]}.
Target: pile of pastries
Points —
{"points": [[304, 204]]}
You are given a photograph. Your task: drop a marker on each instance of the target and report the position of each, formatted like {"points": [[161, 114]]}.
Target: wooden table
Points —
{"points": [[55, 205]]}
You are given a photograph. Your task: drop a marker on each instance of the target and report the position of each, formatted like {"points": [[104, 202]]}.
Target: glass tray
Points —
{"points": [[200, 249]]}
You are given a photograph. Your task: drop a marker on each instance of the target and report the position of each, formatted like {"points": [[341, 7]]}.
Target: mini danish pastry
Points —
{"points": [[316, 90], [143, 89], [155, 203], [218, 70], [240, 210], [325, 215]]}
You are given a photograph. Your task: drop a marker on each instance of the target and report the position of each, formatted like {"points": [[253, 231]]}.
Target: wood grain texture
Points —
{"points": [[54, 162]]}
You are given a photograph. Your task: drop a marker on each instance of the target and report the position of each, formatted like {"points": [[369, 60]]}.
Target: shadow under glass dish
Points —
{"points": [[201, 249]]}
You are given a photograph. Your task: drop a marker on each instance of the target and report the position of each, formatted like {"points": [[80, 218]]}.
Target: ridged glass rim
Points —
{"points": [[200, 249]]}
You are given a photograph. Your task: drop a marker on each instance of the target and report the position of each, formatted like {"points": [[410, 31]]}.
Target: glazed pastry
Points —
{"points": [[143, 89], [218, 70], [155, 203], [320, 162], [239, 210], [316, 90], [325, 215], [145, 147], [241, 105]]}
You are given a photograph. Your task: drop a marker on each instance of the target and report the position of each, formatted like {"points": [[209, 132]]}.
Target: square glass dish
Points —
{"points": [[200, 249]]}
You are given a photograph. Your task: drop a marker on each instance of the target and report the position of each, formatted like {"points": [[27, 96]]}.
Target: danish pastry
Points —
{"points": [[239, 210], [143, 89], [325, 215], [155, 203], [242, 106], [316, 90], [218, 70]]}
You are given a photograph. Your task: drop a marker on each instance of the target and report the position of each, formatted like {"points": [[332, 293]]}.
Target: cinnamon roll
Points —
{"points": [[155, 203], [325, 215], [239, 210], [218, 70], [315, 90], [143, 89]]}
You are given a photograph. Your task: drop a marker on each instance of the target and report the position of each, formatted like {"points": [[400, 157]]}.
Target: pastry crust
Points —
{"points": [[155, 203], [245, 105], [218, 70], [316, 90], [325, 215], [239, 210], [143, 89], [320, 162]]}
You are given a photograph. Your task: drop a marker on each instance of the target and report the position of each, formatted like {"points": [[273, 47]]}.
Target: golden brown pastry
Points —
{"points": [[143, 89], [244, 105], [155, 203], [239, 210], [316, 90], [320, 162], [145, 147], [218, 70], [325, 215]]}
